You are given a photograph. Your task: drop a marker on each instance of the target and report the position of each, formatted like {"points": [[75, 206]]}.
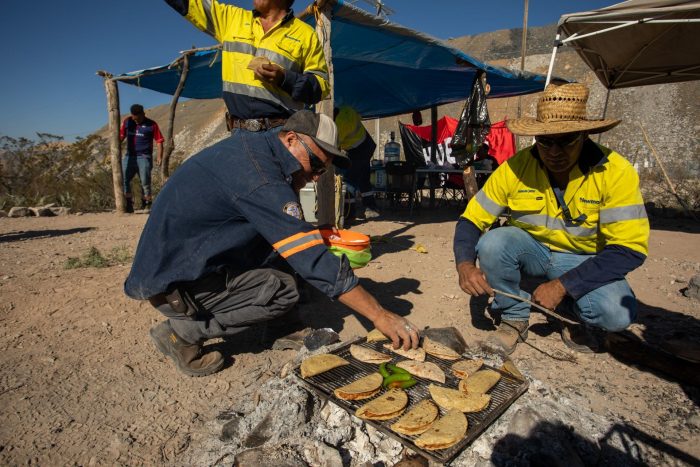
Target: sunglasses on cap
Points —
{"points": [[318, 167], [563, 142]]}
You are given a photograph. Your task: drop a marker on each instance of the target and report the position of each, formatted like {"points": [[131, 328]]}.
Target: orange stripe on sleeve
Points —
{"points": [[302, 247]]}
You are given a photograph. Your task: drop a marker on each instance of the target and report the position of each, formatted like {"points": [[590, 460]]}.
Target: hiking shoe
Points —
{"points": [[145, 205], [506, 337], [129, 208], [187, 357], [582, 338]]}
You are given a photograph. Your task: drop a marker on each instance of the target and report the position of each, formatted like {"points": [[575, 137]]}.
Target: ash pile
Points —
{"points": [[283, 424]]}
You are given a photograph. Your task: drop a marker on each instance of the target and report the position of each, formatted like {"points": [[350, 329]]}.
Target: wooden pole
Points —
{"points": [[170, 130], [523, 52], [668, 180], [115, 147], [325, 188], [470, 186]]}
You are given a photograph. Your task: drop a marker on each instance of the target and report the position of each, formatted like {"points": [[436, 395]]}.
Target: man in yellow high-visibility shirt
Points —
{"points": [[577, 218], [356, 141], [272, 63]]}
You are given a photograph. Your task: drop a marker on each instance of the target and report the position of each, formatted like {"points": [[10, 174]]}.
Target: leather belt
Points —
{"points": [[253, 124]]}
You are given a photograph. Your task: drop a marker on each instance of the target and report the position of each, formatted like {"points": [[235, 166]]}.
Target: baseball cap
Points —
{"points": [[322, 130]]}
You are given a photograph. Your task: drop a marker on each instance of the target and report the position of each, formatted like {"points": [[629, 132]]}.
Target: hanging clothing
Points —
{"points": [[501, 142]]}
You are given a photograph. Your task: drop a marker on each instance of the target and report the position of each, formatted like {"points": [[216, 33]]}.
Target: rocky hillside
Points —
{"points": [[669, 113]]}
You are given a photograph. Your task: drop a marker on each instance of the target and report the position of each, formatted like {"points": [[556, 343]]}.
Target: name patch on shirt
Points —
{"points": [[294, 210]]}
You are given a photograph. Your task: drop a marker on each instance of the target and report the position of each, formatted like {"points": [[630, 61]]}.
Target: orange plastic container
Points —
{"points": [[345, 238]]}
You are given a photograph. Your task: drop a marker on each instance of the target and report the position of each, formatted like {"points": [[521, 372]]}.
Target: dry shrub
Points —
{"points": [[49, 170]]}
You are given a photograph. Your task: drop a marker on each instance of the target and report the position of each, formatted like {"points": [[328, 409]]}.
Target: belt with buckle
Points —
{"points": [[254, 124]]}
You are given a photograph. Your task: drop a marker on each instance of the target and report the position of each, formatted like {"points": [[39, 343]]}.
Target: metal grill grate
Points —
{"points": [[506, 391]]}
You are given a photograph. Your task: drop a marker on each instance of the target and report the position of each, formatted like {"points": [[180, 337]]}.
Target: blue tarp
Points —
{"points": [[380, 68]]}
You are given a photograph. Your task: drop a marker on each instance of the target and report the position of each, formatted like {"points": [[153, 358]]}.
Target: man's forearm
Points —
{"points": [[361, 301], [466, 237], [610, 265]]}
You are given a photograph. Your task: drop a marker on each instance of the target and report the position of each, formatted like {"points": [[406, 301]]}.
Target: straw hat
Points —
{"points": [[560, 109]]}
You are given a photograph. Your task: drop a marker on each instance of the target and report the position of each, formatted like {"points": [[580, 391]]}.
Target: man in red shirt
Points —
{"points": [[139, 132]]}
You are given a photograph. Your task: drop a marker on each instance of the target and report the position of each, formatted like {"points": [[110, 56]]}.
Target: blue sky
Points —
{"points": [[52, 49]]}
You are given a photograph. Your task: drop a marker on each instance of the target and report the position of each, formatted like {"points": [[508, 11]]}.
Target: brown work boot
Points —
{"points": [[187, 357], [507, 336]]}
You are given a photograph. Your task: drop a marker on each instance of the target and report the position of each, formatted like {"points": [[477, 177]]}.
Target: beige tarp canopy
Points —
{"points": [[637, 42]]}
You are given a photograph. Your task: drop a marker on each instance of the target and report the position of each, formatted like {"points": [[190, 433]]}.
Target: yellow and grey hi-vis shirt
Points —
{"points": [[603, 186], [291, 43]]}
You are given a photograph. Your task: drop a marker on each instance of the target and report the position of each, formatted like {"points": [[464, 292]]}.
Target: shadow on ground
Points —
{"points": [[34, 234], [557, 444]]}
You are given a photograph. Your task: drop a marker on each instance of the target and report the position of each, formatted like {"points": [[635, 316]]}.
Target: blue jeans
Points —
{"points": [[507, 252], [142, 166]]}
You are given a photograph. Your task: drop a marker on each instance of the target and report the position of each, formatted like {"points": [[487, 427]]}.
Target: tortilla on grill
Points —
{"points": [[418, 419], [464, 368], [317, 364], [366, 355], [414, 354], [376, 336], [427, 370], [363, 388], [480, 382], [446, 432], [453, 399], [438, 350], [389, 405]]}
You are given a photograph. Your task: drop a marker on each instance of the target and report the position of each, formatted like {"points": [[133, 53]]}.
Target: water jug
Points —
{"points": [[392, 150]]}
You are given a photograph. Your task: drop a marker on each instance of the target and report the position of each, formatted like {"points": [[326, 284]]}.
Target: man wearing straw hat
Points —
{"points": [[576, 218], [205, 263]]}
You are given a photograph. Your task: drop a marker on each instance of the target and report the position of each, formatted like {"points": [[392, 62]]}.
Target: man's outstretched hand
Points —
{"points": [[472, 280], [400, 330], [550, 294]]}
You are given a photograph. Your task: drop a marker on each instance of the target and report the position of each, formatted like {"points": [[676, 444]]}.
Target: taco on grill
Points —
{"points": [[464, 368], [427, 370], [366, 355], [450, 399], [376, 336], [479, 382], [439, 350], [389, 405], [363, 388], [414, 354], [418, 419], [317, 364], [444, 433]]}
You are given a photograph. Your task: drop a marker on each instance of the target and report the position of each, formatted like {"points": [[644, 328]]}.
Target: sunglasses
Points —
{"points": [[563, 142], [318, 167]]}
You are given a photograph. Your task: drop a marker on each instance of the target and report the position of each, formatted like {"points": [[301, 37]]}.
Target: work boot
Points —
{"points": [[187, 357], [582, 338], [129, 206], [506, 337]]}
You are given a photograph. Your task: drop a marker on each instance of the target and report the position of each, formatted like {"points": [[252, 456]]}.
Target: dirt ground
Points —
{"points": [[81, 383]]}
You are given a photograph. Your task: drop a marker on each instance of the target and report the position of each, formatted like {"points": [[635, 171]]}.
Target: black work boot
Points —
{"points": [[129, 206], [506, 337], [582, 338], [187, 357]]}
